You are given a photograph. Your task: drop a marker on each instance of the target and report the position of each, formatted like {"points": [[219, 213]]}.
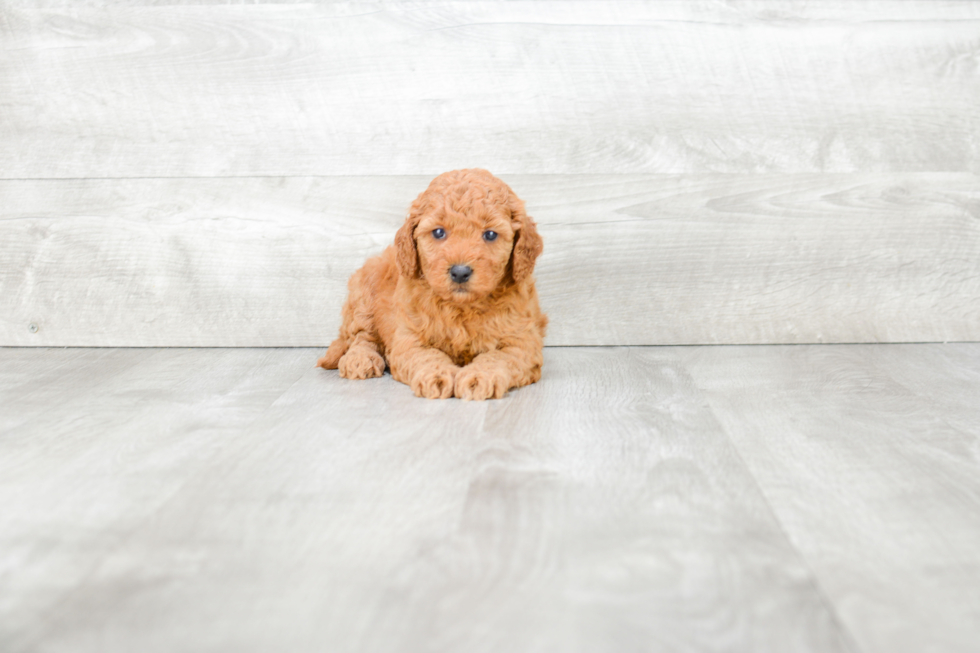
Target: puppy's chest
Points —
{"points": [[463, 337]]}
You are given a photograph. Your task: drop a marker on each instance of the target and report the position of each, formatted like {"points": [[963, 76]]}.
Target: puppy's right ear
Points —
{"points": [[407, 253]]}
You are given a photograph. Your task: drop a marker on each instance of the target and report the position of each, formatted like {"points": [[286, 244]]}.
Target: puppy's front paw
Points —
{"points": [[479, 384], [361, 363], [434, 382]]}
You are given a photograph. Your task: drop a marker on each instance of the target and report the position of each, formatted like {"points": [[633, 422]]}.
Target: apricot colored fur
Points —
{"points": [[474, 340]]}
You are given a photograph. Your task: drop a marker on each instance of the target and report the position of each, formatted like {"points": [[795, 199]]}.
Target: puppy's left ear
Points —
{"points": [[527, 243]]}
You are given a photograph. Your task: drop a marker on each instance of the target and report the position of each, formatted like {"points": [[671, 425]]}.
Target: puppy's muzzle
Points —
{"points": [[460, 273]]}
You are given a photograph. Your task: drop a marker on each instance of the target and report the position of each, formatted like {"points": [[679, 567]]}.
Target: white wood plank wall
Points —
{"points": [[207, 173]]}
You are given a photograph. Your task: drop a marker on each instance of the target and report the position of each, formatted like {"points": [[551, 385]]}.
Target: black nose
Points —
{"points": [[460, 273]]}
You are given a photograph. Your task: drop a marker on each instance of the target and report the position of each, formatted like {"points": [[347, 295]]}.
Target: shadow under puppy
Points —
{"points": [[451, 307]]}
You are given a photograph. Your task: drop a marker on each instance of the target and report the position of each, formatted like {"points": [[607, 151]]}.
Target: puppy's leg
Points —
{"points": [[429, 372], [357, 352], [492, 374], [330, 359], [362, 360]]}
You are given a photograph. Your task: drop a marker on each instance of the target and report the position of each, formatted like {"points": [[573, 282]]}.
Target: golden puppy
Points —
{"points": [[451, 307]]}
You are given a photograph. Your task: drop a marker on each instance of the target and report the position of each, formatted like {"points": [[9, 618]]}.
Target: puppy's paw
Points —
{"points": [[480, 384], [434, 382], [361, 363]]}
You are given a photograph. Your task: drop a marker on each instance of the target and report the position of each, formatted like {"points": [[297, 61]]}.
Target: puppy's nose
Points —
{"points": [[460, 273]]}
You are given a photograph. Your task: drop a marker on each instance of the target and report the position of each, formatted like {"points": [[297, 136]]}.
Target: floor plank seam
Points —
{"points": [[847, 637]]}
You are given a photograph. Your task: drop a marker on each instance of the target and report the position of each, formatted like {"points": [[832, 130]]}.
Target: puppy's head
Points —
{"points": [[466, 235]]}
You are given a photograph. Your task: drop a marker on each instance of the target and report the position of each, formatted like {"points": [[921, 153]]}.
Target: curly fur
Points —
{"points": [[474, 340]]}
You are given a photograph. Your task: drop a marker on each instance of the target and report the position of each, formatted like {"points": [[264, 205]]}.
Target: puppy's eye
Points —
{"points": [[439, 233], [489, 236]]}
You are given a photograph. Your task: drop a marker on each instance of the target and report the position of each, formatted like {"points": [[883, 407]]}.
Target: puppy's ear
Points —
{"points": [[527, 243], [407, 253]]}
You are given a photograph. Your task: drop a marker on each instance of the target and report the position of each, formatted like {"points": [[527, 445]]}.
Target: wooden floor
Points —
{"points": [[209, 173], [770, 498]]}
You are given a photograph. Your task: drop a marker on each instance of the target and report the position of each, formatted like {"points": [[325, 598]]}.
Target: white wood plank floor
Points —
{"points": [[628, 259], [767, 498], [219, 89]]}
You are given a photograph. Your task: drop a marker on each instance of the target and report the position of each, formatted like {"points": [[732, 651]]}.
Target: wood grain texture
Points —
{"points": [[125, 90], [639, 259], [870, 458], [33, 381], [112, 447], [602, 509], [670, 9]]}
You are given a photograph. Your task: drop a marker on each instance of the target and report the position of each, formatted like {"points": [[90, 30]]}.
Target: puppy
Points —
{"points": [[450, 308]]}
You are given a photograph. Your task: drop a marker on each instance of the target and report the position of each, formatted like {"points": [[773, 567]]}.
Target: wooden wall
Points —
{"points": [[210, 173]]}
